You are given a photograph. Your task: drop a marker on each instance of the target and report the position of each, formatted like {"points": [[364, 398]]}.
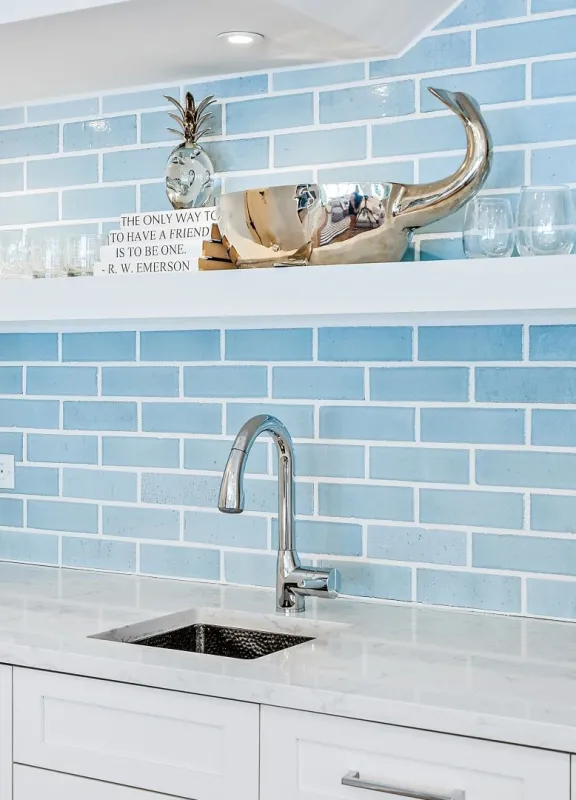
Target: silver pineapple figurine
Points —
{"points": [[190, 172]]}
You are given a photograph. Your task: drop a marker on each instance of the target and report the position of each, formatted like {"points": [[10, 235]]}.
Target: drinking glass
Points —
{"points": [[489, 228], [15, 258], [48, 257], [546, 221], [82, 253]]}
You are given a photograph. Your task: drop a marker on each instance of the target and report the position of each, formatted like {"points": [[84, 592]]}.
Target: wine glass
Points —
{"points": [[546, 221], [489, 228]]}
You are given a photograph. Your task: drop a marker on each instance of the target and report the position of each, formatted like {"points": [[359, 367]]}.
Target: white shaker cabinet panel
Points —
{"points": [[5, 733], [39, 784], [328, 758], [177, 744]]}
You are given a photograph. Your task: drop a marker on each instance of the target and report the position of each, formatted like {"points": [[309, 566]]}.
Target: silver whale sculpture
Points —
{"points": [[356, 223]]}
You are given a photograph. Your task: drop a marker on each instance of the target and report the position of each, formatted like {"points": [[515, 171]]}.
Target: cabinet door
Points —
{"points": [[329, 758], [5, 733], [39, 784]]}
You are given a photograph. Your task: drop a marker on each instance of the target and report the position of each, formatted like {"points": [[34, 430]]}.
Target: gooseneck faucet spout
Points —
{"points": [[294, 582]]}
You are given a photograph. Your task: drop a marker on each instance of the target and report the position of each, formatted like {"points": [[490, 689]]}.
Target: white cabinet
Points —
{"points": [[177, 744], [5, 733], [313, 753], [39, 784]]}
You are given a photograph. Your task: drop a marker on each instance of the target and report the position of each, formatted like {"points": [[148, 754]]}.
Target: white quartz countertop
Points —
{"points": [[493, 677]]}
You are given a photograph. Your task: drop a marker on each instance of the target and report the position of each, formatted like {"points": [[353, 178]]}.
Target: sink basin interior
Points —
{"points": [[218, 640]]}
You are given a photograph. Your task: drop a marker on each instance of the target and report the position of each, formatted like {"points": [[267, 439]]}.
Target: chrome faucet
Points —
{"points": [[293, 581]]}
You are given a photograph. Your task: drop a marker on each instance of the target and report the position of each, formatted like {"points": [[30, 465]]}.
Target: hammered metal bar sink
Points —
{"points": [[216, 640]]}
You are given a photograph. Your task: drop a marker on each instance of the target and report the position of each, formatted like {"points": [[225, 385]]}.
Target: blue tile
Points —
{"points": [[320, 147], [471, 12], [175, 561], [29, 413], [140, 381], [226, 530], [469, 590], [97, 347], [240, 183], [556, 513], [180, 346], [374, 101], [11, 512], [325, 383], [542, 37], [241, 86], [556, 428], [181, 490], [366, 502], [531, 124], [140, 523], [394, 171], [12, 177], [41, 481], [153, 197], [552, 165], [473, 425], [507, 169], [103, 202], [551, 598], [269, 345], [441, 249], [140, 451], [367, 423], [470, 343], [419, 383], [298, 419], [317, 537], [553, 78], [239, 154], [432, 53], [67, 109], [51, 515], [528, 468], [182, 417], [29, 548], [374, 580], [101, 554], [417, 545], [417, 136], [250, 569], [154, 127], [10, 380], [481, 509], [524, 554], [12, 116], [134, 101], [552, 5], [91, 484], [12, 444], [62, 380], [269, 113], [262, 495], [69, 171], [212, 455], [100, 416], [28, 209], [135, 165], [553, 342], [526, 385], [226, 382], [420, 464], [97, 134], [62, 449], [21, 142], [312, 77], [365, 344], [329, 461]]}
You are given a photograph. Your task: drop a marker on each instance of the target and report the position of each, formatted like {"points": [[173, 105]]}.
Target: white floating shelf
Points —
{"points": [[297, 296]]}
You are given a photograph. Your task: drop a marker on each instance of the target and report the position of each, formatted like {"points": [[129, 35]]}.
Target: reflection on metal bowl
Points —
{"points": [[351, 223]]}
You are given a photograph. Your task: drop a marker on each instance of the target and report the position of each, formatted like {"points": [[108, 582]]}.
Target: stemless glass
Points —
{"points": [[489, 228], [546, 221], [48, 257], [15, 258], [82, 253]]}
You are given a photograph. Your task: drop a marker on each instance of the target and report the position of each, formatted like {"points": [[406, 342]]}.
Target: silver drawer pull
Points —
{"points": [[354, 779]]}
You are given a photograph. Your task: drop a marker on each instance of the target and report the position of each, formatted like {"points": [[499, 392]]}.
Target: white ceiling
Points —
{"points": [[113, 44]]}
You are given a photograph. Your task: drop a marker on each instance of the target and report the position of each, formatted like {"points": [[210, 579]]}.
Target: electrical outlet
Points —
{"points": [[7, 472]]}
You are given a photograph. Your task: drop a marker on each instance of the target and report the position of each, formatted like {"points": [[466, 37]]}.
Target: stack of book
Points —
{"points": [[160, 242]]}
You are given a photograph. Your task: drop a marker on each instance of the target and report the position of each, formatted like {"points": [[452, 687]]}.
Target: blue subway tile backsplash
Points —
{"points": [[435, 461]]}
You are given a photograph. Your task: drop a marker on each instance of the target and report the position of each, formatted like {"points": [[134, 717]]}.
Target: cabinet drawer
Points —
{"points": [[169, 742], [39, 784], [313, 753]]}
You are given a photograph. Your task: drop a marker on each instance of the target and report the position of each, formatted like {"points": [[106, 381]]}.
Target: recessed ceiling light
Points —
{"points": [[241, 37]]}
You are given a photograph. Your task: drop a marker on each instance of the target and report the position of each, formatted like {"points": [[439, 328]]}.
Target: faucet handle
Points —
{"points": [[315, 582]]}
